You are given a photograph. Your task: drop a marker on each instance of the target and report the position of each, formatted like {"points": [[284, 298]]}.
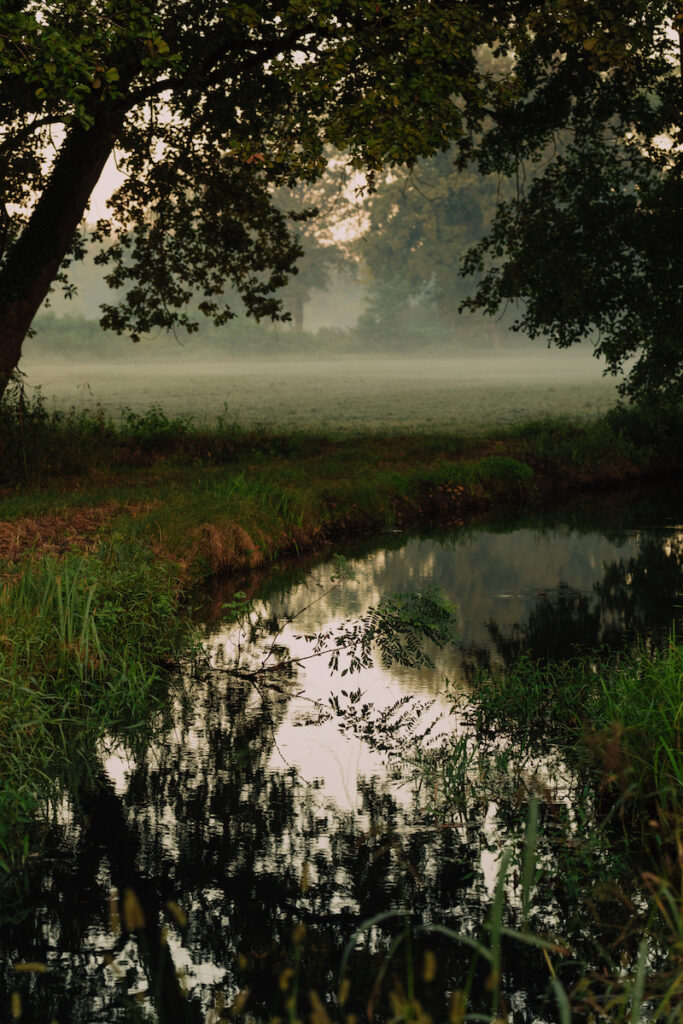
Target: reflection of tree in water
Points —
{"points": [[636, 599], [646, 591], [205, 822], [559, 626], [563, 623]]}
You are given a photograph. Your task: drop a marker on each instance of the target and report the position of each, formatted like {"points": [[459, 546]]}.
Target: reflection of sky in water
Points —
{"points": [[487, 576], [204, 809]]}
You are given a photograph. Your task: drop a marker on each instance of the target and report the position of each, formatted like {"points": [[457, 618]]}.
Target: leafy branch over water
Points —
{"points": [[398, 629]]}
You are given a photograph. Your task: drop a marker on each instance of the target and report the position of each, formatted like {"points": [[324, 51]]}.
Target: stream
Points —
{"points": [[251, 831]]}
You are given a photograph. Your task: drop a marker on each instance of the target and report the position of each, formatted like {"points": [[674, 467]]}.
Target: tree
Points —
{"points": [[208, 105], [319, 207], [586, 116], [420, 224]]}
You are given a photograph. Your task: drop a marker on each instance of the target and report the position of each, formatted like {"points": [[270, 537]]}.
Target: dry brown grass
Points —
{"points": [[60, 532], [225, 546]]}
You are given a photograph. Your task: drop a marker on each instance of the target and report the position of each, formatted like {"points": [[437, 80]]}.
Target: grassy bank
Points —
{"points": [[595, 744], [183, 504], [85, 648], [616, 720], [221, 500], [104, 526]]}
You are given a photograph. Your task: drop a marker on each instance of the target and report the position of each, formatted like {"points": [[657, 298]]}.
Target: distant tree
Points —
{"points": [[585, 114], [209, 105], [420, 223], [320, 207]]}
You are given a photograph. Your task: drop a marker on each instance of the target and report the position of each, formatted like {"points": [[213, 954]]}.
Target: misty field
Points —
{"points": [[467, 391]]}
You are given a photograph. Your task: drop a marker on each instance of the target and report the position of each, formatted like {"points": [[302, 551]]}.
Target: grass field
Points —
{"points": [[467, 392]]}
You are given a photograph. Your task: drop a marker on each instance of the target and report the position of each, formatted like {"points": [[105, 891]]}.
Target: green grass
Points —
{"points": [[620, 719], [616, 726], [39, 445], [228, 497], [231, 497], [84, 649]]}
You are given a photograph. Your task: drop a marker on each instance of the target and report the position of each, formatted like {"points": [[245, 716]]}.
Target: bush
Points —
{"points": [[646, 424]]}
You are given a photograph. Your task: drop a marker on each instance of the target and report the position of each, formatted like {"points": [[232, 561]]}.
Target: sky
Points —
{"points": [[110, 179]]}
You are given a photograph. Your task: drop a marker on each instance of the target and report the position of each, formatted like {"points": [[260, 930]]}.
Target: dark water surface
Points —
{"points": [[248, 814]]}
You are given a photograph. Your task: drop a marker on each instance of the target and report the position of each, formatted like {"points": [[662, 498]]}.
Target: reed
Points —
{"points": [[86, 644], [625, 988], [624, 715]]}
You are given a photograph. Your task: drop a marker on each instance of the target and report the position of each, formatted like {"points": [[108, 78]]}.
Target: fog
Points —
{"points": [[376, 339], [464, 390]]}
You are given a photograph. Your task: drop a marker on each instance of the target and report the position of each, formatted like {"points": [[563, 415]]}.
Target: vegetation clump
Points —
{"points": [[616, 719], [87, 642]]}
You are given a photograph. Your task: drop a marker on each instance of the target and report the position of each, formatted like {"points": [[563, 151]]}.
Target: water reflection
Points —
{"points": [[546, 593], [206, 823], [251, 819]]}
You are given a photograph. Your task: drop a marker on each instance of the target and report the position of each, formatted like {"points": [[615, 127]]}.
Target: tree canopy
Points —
{"points": [[419, 225], [213, 107], [586, 118], [209, 106]]}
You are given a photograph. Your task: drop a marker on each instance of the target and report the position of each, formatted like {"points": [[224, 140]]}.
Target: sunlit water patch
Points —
{"points": [[177, 877]]}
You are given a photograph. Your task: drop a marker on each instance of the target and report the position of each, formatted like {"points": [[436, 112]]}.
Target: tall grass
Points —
{"points": [[615, 725], [625, 715], [631, 433], [38, 444], [629, 985], [85, 644]]}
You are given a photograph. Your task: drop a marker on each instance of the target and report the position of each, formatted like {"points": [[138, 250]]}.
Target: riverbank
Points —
{"points": [[169, 506], [229, 500], [105, 530]]}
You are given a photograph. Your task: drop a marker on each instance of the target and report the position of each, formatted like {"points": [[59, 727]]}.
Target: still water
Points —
{"points": [[248, 810]]}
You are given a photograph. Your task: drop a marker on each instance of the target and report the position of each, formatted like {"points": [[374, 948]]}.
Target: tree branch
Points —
{"points": [[27, 130], [210, 70]]}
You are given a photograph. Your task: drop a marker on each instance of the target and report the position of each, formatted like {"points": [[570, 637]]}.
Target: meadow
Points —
{"points": [[466, 392]]}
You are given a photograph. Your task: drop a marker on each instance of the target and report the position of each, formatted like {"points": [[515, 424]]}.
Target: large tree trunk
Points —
{"points": [[34, 259]]}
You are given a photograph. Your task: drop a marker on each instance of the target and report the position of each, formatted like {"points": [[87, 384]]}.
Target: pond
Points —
{"points": [[257, 827]]}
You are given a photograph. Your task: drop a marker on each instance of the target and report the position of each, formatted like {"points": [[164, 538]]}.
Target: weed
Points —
{"points": [[641, 986], [153, 429], [84, 648], [620, 719]]}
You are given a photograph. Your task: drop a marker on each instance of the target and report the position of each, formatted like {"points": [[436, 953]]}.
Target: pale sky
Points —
{"points": [[109, 180]]}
